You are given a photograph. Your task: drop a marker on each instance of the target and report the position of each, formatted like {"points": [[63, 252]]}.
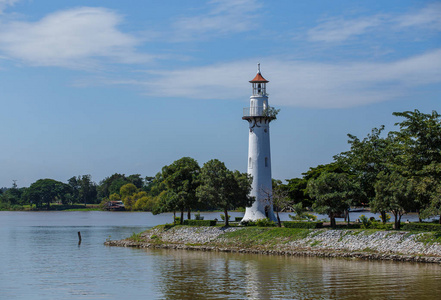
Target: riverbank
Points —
{"points": [[355, 243]]}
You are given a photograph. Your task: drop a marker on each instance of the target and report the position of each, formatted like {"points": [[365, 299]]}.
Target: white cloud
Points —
{"points": [[75, 38], [428, 17], [226, 16], [295, 83], [5, 3], [340, 29]]}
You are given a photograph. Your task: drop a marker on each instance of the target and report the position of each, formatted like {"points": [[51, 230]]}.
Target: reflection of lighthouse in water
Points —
{"points": [[259, 155]]}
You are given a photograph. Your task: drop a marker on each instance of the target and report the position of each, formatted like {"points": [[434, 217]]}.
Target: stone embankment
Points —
{"points": [[363, 244]]}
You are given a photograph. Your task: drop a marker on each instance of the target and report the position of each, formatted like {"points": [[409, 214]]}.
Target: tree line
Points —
{"points": [[182, 186], [398, 172]]}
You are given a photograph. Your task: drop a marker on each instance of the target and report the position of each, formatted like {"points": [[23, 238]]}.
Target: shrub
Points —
{"points": [[371, 223], [309, 225], [377, 225], [136, 237], [238, 219], [387, 218], [350, 226], [248, 223], [421, 227], [265, 223], [366, 223], [198, 216], [223, 217], [168, 226], [200, 222]]}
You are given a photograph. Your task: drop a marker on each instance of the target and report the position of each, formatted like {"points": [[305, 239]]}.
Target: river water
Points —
{"points": [[40, 259]]}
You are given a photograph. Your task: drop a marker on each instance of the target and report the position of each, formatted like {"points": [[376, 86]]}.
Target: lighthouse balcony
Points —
{"points": [[259, 112]]}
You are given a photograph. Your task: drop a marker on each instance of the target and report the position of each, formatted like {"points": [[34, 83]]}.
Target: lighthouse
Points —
{"points": [[259, 115]]}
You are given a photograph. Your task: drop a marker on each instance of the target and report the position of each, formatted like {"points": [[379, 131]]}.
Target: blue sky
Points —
{"points": [[98, 87]]}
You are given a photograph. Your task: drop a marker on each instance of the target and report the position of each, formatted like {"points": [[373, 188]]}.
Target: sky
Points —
{"points": [[107, 86]]}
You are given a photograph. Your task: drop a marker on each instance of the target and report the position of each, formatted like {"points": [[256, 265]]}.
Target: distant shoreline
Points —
{"points": [[355, 243]]}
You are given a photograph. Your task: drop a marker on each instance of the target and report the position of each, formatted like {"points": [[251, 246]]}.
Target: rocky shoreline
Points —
{"points": [[357, 244]]}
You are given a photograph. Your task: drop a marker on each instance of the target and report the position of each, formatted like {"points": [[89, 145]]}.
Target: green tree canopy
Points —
{"points": [[332, 192], [181, 180], [223, 188], [419, 138], [366, 159], [394, 193], [47, 191]]}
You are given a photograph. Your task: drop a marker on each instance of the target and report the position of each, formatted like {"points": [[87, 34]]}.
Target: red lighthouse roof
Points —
{"points": [[258, 78]]}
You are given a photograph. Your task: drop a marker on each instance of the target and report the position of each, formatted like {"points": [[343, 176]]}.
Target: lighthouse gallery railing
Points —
{"points": [[257, 111]]}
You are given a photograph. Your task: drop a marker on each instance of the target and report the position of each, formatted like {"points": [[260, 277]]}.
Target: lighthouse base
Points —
{"points": [[259, 211]]}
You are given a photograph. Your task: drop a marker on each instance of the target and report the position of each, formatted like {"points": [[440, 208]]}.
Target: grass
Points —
{"points": [[315, 243], [429, 238], [136, 237], [263, 236], [369, 250]]}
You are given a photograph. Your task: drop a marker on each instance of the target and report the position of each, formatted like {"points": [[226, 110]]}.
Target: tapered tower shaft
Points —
{"points": [[259, 154]]}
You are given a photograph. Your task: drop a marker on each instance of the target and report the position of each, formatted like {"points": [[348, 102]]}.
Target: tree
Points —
{"points": [[75, 186], [136, 179], [420, 140], [428, 186], [279, 197], [111, 185], [144, 202], [88, 190], [333, 194], [47, 191], [223, 188], [127, 193], [296, 188], [394, 193], [365, 160], [13, 195], [181, 179], [84, 190]]}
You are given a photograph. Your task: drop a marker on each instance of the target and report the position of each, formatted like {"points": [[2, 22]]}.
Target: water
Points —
{"points": [[40, 259]]}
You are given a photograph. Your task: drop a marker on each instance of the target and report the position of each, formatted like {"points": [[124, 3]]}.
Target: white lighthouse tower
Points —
{"points": [[259, 115]]}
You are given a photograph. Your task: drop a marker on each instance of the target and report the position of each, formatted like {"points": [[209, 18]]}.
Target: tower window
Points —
{"points": [[266, 161], [250, 163]]}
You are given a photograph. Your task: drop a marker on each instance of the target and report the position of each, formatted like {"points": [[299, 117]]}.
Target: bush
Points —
{"points": [[238, 219], [168, 226], [223, 217], [378, 225], [421, 227], [136, 237], [371, 223], [350, 226], [198, 216], [200, 222], [309, 225], [366, 223], [248, 223], [387, 218], [265, 223]]}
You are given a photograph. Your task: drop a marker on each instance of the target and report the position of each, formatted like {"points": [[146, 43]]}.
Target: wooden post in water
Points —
{"points": [[79, 238]]}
